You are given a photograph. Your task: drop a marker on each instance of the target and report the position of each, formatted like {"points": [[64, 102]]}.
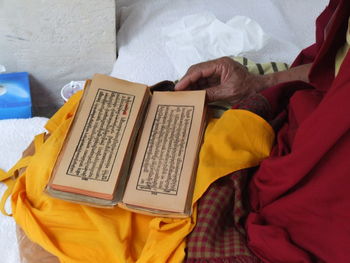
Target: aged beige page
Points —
{"points": [[166, 159], [100, 137]]}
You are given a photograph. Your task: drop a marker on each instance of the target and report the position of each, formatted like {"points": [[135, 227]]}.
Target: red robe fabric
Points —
{"points": [[300, 195]]}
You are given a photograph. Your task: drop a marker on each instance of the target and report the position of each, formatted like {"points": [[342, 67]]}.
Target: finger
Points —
{"points": [[205, 83], [190, 78], [213, 81], [202, 83], [183, 84], [195, 73], [193, 86]]}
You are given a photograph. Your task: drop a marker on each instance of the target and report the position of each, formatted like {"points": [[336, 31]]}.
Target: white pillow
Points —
{"points": [[141, 45]]}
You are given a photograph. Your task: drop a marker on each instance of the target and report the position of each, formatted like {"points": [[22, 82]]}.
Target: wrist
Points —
{"points": [[263, 82], [297, 73], [267, 81]]}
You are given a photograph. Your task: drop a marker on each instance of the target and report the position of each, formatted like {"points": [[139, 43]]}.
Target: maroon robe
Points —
{"points": [[300, 195]]}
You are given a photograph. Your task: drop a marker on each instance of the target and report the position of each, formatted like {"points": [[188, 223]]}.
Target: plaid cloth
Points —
{"points": [[219, 235]]}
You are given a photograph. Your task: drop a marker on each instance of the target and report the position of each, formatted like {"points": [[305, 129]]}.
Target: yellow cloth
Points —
{"points": [[78, 233], [342, 51]]}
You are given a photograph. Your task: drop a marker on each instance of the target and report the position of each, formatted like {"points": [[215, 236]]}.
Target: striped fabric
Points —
{"points": [[261, 68]]}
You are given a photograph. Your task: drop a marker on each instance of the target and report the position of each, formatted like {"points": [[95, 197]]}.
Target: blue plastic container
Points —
{"points": [[15, 100]]}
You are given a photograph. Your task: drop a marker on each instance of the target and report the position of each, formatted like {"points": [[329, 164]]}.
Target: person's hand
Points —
{"points": [[223, 78]]}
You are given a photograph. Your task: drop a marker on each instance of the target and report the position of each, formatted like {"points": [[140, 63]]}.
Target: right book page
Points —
{"points": [[166, 159]]}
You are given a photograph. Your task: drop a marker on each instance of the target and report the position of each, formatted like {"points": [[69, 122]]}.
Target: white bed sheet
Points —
{"points": [[141, 46], [15, 136]]}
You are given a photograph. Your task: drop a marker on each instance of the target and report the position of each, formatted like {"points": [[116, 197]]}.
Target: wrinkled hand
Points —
{"points": [[223, 78]]}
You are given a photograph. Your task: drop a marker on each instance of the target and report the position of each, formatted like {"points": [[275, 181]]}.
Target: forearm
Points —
{"points": [[292, 74]]}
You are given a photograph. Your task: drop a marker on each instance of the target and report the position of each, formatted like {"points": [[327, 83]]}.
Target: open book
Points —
{"points": [[129, 148]]}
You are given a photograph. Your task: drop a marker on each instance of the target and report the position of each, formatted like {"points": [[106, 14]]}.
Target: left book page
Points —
{"points": [[95, 156]]}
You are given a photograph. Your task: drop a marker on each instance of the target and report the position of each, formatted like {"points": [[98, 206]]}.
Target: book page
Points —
{"points": [[165, 161], [93, 155]]}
